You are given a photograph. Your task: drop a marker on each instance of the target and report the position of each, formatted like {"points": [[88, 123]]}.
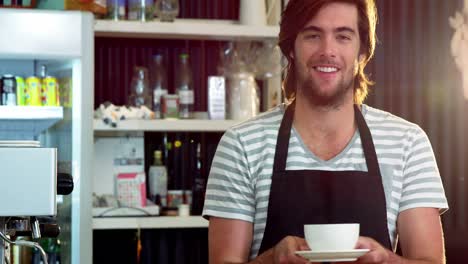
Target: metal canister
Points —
{"points": [[8, 91], [50, 96], [33, 97], [21, 91]]}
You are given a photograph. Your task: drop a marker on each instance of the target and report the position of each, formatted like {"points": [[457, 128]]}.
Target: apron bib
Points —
{"points": [[299, 197]]}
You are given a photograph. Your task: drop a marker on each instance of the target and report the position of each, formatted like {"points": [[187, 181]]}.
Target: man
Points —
{"points": [[325, 157]]}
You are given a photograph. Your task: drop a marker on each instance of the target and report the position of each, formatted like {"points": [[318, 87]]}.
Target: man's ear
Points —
{"points": [[291, 54]]}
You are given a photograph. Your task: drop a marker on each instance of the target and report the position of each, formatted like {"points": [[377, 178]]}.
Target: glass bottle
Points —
{"points": [[158, 83], [142, 10], [199, 184], [116, 9], [184, 87], [158, 180], [139, 88], [167, 10]]}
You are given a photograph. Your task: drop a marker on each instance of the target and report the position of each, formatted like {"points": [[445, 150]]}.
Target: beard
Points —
{"points": [[316, 97], [310, 89]]}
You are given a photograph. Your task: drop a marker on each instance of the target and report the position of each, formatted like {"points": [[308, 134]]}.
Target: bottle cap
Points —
{"points": [[157, 153]]}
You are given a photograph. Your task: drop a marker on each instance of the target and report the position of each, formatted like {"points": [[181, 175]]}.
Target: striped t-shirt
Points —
{"points": [[240, 177]]}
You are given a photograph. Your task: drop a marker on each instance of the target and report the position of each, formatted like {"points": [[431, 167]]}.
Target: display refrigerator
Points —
{"points": [[62, 44]]}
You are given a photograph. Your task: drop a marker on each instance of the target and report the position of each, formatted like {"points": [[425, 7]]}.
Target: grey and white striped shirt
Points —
{"points": [[240, 177]]}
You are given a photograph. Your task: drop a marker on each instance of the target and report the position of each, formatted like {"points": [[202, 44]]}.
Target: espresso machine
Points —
{"points": [[29, 184]]}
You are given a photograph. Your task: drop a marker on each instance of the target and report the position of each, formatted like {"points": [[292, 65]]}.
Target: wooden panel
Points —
{"points": [[416, 78], [116, 57]]}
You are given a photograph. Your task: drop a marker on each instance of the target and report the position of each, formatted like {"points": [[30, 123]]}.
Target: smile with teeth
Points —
{"points": [[326, 69]]}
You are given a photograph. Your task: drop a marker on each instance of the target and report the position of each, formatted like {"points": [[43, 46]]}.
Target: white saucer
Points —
{"points": [[332, 256]]}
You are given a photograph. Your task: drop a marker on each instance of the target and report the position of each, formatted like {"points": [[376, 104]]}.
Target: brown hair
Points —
{"points": [[295, 16]]}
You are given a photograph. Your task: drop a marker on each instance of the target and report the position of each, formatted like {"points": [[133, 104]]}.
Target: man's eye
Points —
{"points": [[312, 36], [343, 37]]}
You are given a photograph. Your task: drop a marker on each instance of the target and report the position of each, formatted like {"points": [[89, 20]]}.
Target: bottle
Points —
{"points": [[43, 72], [52, 249], [167, 10], [49, 88], [139, 88], [158, 180], [58, 252], [198, 186], [159, 83], [116, 9], [184, 87], [8, 90], [140, 10]]}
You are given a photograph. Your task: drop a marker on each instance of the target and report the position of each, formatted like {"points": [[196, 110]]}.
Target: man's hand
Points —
{"points": [[284, 251], [377, 253]]}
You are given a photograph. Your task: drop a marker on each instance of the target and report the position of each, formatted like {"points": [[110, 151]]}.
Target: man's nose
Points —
{"points": [[328, 47]]}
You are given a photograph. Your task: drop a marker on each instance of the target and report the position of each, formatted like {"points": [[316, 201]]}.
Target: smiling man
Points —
{"points": [[324, 156]]}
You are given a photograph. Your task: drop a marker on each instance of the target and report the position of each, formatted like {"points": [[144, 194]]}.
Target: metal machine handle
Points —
{"points": [[64, 183]]}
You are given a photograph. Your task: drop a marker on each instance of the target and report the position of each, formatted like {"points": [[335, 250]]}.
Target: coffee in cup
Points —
{"points": [[331, 237]]}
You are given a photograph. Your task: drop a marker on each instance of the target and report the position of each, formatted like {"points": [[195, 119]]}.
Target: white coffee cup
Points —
{"points": [[331, 237]]}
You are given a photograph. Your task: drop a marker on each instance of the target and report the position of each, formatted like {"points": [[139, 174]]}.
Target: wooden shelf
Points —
{"points": [[158, 222], [162, 125], [184, 29]]}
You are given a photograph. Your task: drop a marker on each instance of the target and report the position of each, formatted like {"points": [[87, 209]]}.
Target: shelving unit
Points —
{"points": [[162, 125], [103, 223], [26, 122], [184, 29]]}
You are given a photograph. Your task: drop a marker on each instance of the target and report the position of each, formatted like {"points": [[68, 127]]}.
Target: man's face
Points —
{"points": [[326, 54]]}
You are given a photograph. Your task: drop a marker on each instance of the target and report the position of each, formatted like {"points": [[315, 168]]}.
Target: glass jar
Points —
{"points": [[167, 10], [139, 88], [170, 106], [242, 96]]}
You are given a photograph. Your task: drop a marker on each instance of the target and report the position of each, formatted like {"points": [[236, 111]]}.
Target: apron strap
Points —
{"points": [[284, 134], [282, 142], [367, 143]]}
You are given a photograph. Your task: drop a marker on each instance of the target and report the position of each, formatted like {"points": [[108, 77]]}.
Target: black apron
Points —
{"points": [[299, 197]]}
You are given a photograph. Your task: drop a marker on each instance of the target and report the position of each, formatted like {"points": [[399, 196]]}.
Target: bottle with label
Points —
{"points": [[158, 180], [184, 86], [49, 88], [158, 83]]}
